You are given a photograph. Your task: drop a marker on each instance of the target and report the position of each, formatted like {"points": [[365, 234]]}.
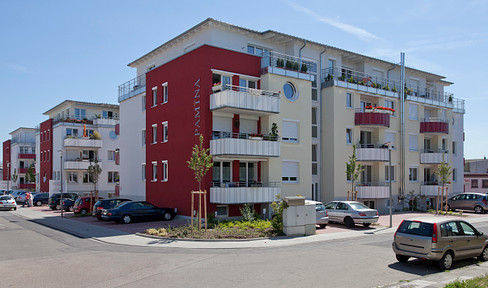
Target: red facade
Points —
{"points": [[189, 80], [6, 159], [27, 156], [46, 156], [434, 127], [372, 118]]}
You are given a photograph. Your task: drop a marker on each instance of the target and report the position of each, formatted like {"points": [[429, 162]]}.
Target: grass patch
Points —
{"points": [[222, 230], [478, 282]]}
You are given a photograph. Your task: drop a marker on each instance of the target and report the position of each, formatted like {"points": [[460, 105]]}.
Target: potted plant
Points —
{"points": [[217, 87], [303, 69], [255, 136], [368, 109], [342, 78], [273, 135]]}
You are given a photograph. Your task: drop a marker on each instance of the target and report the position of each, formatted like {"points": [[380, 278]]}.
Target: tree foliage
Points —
{"points": [[353, 168], [94, 170], [200, 162], [444, 171]]}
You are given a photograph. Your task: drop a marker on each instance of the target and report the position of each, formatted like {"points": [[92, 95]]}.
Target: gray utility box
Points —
{"points": [[298, 218]]}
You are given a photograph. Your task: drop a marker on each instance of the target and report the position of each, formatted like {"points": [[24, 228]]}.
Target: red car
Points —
{"points": [[84, 205]]}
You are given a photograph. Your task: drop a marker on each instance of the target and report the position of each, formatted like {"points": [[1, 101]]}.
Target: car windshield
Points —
{"points": [[6, 197], [123, 205], [416, 228], [358, 206], [319, 207]]}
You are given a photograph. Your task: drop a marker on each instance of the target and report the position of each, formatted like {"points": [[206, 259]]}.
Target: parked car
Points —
{"points": [[41, 198], [7, 202], [16, 193], [21, 196], [351, 213], [321, 216], [469, 201], [439, 239], [68, 204], [84, 205], [137, 210], [106, 204], [55, 198]]}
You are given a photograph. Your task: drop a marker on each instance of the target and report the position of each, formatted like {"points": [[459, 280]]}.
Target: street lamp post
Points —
{"points": [[389, 180], [61, 180], [8, 177]]}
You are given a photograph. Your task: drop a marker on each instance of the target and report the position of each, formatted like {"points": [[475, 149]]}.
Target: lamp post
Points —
{"points": [[8, 177], [61, 180], [389, 180]]}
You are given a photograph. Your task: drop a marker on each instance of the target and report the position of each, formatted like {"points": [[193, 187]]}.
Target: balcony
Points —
{"points": [[77, 164], [82, 142], [434, 125], [289, 66], [372, 117], [23, 170], [27, 186], [240, 193], [429, 188], [27, 156], [433, 157], [132, 87], [241, 144], [242, 100], [373, 190], [371, 152]]}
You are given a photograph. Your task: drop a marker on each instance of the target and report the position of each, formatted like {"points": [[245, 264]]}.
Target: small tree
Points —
{"points": [[200, 162], [353, 168], [94, 171], [31, 176], [14, 176], [444, 171]]}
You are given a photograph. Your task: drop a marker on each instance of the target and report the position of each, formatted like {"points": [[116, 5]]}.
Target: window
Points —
{"points": [[484, 182], [222, 211], [113, 177], [71, 132], [387, 175], [143, 137], [474, 183], [413, 142], [314, 160], [154, 96], [348, 135], [348, 100], [107, 114], [444, 145], [87, 177], [258, 51], [165, 93], [332, 65], [413, 174], [165, 171], [290, 131], [454, 176], [143, 170], [315, 127], [80, 114], [290, 91], [143, 102], [390, 138], [453, 147], [413, 111], [390, 104], [165, 132], [154, 133], [111, 155], [154, 171], [289, 172]]}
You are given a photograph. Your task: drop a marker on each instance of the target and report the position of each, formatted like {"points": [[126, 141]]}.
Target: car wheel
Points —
{"points": [[126, 219], [167, 216], [322, 226], [39, 203], [478, 209], [484, 254], [57, 207], [15, 208], [446, 261], [349, 222], [83, 212], [402, 258], [366, 224]]}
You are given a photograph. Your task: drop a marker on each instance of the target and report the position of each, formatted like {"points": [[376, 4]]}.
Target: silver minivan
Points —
{"points": [[439, 239], [469, 201]]}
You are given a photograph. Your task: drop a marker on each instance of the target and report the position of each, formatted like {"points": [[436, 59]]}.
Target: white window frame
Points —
{"points": [[315, 113], [387, 173], [416, 174], [454, 174], [315, 163], [410, 145], [112, 177], [291, 138], [349, 100], [165, 132], [143, 176], [72, 177], [165, 171], [351, 136], [289, 178], [154, 133], [454, 150], [410, 116], [390, 104], [143, 102], [165, 93], [154, 96], [111, 155], [143, 137], [154, 171]]}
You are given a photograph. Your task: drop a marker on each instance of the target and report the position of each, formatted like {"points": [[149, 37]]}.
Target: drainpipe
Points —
{"points": [[300, 51], [319, 93], [402, 127]]}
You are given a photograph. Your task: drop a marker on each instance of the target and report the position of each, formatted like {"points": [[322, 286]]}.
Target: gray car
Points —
{"points": [[439, 239], [351, 213], [320, 213], [468, 201]]}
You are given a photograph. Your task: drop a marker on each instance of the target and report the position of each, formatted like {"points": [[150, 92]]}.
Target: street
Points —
{"points": [[33, 255]]}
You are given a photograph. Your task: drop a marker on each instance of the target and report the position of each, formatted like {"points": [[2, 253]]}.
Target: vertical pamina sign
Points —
{"points": [[196, 107]]}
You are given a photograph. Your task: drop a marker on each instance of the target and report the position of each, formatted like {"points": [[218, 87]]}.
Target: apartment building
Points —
{"points": [[19, 159], [76, 135], [233, 85]]}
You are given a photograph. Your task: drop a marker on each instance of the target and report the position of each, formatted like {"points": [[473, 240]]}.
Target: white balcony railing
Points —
{"points": [[77, 164], [245, 147], [373, 153], [432, 157], [373, 192], [82, 142], [429, 190], [225, 194], [248, 99]]}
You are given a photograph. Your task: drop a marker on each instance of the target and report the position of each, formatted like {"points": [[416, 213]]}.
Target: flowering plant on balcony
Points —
{"points": [[217, 86], [379, 109], [255, 136]]}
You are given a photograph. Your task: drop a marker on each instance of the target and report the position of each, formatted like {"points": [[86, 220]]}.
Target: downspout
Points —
{"points": [[402, 128], [300, 51], [319, 88]]}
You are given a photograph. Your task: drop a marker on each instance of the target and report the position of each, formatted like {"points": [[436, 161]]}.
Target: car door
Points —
{"points": [[461, 202], [473, 244], [342, 211], [331, 211], [454, 238]]}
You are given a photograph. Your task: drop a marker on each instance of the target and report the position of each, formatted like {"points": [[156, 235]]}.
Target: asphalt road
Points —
{"points": [[32, 255]]}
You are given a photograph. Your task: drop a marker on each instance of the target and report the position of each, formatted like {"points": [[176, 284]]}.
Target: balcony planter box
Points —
{"points": [[256, 138], [216, 88]]}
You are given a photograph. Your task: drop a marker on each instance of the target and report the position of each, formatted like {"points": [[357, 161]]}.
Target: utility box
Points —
{"points": [[298, 218]]}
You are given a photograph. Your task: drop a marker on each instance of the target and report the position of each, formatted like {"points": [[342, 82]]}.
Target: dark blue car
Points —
{"points": [[137, 211]]}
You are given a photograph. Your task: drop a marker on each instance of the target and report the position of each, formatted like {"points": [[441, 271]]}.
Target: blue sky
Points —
{"points": [[56, 50]]}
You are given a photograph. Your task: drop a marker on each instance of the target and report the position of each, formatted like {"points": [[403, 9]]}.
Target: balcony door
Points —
{"points": [[365, 139], [428, 177], [247, 174], [427, 145], [221, 174], [367, 174]]}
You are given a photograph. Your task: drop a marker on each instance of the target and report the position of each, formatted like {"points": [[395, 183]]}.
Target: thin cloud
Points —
{"points": [[361, 33]]}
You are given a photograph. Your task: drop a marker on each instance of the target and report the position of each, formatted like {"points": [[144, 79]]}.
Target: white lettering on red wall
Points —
{"points": [[196, 107]]}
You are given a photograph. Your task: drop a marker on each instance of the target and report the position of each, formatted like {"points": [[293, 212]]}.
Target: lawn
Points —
{"points": [[478, 282]]}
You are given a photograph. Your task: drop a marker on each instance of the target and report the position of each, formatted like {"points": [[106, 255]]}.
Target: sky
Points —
{"points": [[51, 51]]}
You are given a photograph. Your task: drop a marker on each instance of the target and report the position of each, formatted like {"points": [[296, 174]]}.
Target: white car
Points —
{"points": [[320, 212], [7, 202]]}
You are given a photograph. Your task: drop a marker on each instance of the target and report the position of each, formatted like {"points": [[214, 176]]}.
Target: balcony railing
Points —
{"points": [[242, 192], [226, 143], [373, 190], [82, 142], [345, 77], [428, 156], [132, 87], [79, 164], [372, 118], [372, 152], [429, 188], [27, 156], [27, 186], [287, 65], [248, 99], [434, 125]]}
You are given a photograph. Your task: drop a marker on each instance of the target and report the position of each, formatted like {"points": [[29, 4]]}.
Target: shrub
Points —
{"points": [[277, 221]]}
